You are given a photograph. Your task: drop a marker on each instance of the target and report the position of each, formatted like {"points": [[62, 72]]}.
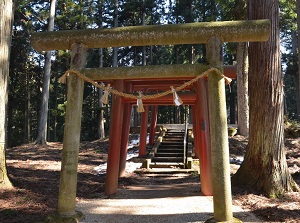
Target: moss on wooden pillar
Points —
{"points": [[218, 135], [71, 141]]}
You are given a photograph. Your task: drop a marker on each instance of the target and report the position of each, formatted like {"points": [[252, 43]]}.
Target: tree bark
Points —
{"points": [[298, 74], [43, 116], [265, 165], [242, 89], [101, 129], [115, 49], [232, 103], [27, 122], [6, 17]]}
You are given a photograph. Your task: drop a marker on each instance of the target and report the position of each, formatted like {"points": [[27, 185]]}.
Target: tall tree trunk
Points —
{"points": [[101, 129], [294, 50], [6, 16], [134, 113], [42, 128], [27, 122], [115, 49], [143, 15], [298, 73], [265, 164], [55, 114], [239, 12], [242, 89], [232, 96], [232, 104]]}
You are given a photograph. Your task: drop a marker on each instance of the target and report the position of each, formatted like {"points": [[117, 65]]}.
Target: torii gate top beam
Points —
{"points": [[188, 33]]}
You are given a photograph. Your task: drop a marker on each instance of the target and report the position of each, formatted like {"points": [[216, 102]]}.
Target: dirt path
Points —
{"points": [[174, 202]]}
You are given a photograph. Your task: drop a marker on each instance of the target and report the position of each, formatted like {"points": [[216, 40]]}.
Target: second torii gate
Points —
{"points": [[213, 34]]}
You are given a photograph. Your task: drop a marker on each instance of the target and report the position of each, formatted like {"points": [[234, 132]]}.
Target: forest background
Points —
{"points": [[27, 65]]}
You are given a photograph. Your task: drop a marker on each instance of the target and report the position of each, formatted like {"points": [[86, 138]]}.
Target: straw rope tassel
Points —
{"points": [[140, 107], [177, 100], [63, 78], [227, 79], [104, 98]]}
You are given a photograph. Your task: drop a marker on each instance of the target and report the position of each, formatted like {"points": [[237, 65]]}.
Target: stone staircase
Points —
{"points": [[168, 153], [170, 149]]}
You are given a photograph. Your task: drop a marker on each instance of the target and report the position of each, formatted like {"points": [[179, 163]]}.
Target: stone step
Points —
{"points": [[169, 150], [167, 159], [172, 140], [171, 147], [164, 154], [164, 143], [174, 132], [167, 165], [174, 135], [157, 169]]}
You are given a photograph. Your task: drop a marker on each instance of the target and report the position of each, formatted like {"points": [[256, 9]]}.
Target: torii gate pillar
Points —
{"points": [[202, 140], [115, 136], [125, 134], [218, 136], [143, 132], [71, 142], [154, 110]]}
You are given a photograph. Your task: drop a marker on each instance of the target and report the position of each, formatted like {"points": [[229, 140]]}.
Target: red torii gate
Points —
{"points": [[206, 96]]}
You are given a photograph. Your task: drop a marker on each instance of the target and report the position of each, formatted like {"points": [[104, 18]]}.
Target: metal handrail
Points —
{"points": [[185, 142]]}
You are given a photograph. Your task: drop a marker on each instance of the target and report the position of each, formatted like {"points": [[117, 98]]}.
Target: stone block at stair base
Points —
{"points": [[146, 163], [189, 163]]}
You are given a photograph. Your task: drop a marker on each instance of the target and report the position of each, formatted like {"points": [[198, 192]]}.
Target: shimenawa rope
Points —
{"points": [[141, 97]]}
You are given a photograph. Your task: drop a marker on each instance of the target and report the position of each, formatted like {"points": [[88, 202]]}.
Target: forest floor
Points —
{"points": [[34, 172]]}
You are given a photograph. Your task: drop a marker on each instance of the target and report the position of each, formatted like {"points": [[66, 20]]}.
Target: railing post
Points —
{"points": [[195, 131], [185, 141], [71, 141], [218, 136]]}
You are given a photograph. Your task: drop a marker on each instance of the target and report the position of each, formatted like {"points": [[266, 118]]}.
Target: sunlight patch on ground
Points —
{"points": [[237, 160], [130, 166], [35, 164]]}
